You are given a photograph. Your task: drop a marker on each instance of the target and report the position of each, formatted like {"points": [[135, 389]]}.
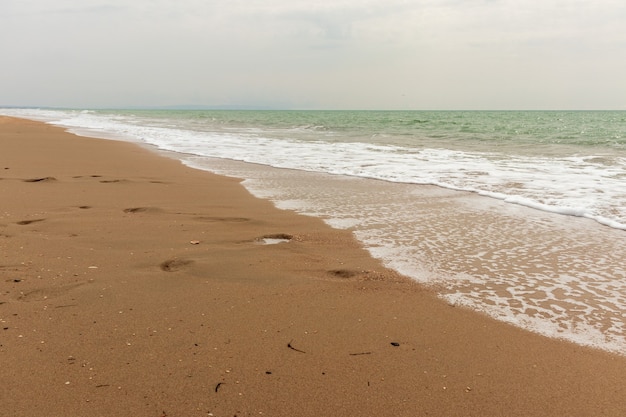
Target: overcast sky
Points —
{"points": [[315, 54]]}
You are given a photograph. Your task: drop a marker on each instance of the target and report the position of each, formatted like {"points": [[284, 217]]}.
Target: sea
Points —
{"points": [[520, 215]]}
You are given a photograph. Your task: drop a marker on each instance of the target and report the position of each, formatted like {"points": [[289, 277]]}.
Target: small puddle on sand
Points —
{"points": [[272, 241]]}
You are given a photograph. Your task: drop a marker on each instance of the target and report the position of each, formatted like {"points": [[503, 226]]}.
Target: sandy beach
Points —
{"points": [[131, 285]]}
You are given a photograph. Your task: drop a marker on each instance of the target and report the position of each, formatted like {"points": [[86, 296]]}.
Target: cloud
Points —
{"points": [[339, 53]]}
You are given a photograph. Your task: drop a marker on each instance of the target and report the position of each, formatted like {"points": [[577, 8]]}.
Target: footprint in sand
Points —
{"points": [[42, 179], [113, 181], [343, 273], [48, 293], [173, 265], [25, 222], [142, 210], [222, 219], [12, 268]]}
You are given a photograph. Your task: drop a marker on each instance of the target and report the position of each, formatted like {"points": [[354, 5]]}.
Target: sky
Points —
{"points": [[315, 54]]}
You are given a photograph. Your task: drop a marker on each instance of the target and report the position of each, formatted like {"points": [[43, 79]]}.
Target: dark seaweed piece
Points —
{"points": [[293, 348]]}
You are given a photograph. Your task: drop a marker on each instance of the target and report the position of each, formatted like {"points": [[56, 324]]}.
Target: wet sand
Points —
{"points": [[131, 285]]}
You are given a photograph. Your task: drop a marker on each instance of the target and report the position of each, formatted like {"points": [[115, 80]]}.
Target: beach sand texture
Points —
{"points": [[131, 285]]}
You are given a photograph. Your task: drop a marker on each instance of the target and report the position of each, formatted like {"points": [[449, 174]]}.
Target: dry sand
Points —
{"points": [[131, 285]]}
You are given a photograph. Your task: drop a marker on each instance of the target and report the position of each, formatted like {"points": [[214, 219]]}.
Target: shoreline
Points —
{"points": [[466, 264], [107, 307]]}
